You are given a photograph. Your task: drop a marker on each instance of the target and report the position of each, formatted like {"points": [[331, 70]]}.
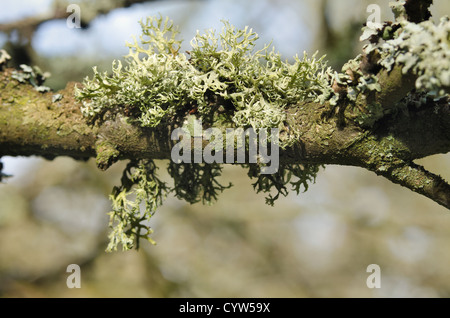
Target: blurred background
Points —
{"points": [[316, 244]]}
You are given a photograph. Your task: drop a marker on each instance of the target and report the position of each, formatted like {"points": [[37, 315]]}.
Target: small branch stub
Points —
{"points": [[107, 154]]}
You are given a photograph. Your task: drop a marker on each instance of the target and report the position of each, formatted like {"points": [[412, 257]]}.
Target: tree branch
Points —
{"points": [[417, 10], [383, 132], [32, 124], [419, 180]]}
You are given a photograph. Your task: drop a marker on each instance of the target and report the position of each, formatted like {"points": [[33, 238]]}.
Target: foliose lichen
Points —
{"points": [[4, 57], [32, 75], [421, 49]]}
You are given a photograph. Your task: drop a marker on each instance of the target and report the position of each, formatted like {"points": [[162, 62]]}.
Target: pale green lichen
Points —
{"points": [[354, 84], [421, 49], [134, 203], [424, 49], [141, 192], [220, 74], [158, 80]]}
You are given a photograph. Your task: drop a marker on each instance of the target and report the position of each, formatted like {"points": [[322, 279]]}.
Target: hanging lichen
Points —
{"points": [[220, 74]]}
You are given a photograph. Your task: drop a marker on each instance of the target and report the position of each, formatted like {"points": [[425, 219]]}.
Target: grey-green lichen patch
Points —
{"points": [[382, 153], [128, 220], [351, 87], [56, 97], [107, 154], [222, 81], [32, 75], [422, 49], [158, 81], [4, 57]]}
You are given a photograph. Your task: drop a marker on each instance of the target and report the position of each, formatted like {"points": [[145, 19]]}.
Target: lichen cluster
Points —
{"points": [[420, 49], [220, 74], [141, 192], [33, 75], [133, 204], [224, 74], [220, 70], [4, 57]]}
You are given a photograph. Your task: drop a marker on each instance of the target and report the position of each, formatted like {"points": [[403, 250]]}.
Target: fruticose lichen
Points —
{"points": [[224, 74], [140, 188], [219, 70], [220, 74]]}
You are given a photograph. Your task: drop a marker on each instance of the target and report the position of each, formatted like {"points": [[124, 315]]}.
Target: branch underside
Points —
{"points": [[417, 179]]}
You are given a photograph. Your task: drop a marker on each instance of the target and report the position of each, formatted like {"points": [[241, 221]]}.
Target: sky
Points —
{"points": [[108, 33]]}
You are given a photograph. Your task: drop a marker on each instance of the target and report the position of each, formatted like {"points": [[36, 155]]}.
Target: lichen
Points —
{"points": [[56, 97], [32, 75], [140, 187], [219, 70], [107, 154], [4, 57], [220, 80], [298, 176], [421, 49]]}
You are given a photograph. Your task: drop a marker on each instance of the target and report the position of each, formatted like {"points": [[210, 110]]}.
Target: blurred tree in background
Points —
{"points": [[318, 244]]}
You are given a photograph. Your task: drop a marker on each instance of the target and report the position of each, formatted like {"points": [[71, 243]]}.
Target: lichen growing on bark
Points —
{"points": [[224, 70], [221, 74]]}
